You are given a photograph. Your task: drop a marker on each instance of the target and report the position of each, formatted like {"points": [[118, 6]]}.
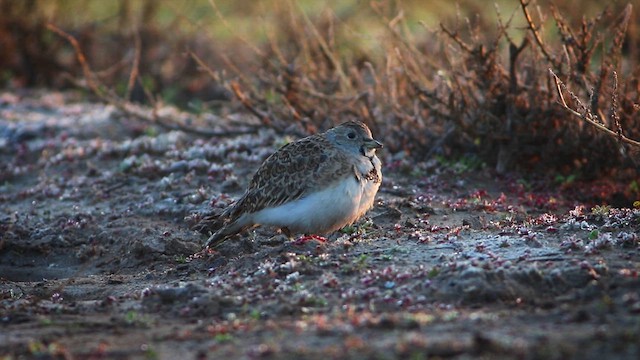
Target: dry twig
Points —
{"points": [[536, 35], [135, 67], [264, 118], [588, 116], [92, 81], [129, 108], [326, 50], [457, 39]]}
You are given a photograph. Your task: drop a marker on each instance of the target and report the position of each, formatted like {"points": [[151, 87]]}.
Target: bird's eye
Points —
{"points": [[351, 135]]}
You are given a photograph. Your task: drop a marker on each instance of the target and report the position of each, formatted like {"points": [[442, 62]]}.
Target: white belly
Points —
{"points": [[324, 211]]}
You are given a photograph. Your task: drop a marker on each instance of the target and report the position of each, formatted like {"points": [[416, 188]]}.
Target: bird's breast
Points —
{"points": [[370, 179]]}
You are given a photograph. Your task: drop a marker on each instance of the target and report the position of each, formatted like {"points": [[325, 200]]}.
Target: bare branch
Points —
{"points": [[147, 115], [534, 32], [92, 81], [135, 67], [326, 50], [614, 106], [228, 26], [588, 117], [263, 117], [455, 37]]}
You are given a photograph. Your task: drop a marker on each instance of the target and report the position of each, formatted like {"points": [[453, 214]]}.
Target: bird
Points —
{"points": [[315, 185]]}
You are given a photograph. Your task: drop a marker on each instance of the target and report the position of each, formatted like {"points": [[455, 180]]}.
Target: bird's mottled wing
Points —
{"points": [[292, 172]]}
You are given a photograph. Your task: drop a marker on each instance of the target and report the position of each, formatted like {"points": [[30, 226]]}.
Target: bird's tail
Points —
{"points": [[225, 232], [208, 224], [216, 226], [215, 239]]}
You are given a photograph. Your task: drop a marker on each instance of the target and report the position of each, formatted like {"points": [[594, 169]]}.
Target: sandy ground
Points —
{"points": [[97, 258]]}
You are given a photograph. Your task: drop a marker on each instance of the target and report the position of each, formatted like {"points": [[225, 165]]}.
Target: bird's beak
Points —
{"points": [[372, 144]]}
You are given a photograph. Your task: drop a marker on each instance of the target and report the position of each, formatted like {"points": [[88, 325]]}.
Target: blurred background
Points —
{"points": [[439, 79], [33, 56]]}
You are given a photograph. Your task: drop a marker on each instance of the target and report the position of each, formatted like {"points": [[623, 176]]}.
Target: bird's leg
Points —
{"points": [[306, 238]]}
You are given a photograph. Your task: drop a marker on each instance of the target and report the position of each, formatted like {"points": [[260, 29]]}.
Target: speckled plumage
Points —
{"points": [[317, 184]]}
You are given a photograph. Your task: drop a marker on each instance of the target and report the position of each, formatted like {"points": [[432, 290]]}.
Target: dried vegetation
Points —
{"points": [[556, 96]]}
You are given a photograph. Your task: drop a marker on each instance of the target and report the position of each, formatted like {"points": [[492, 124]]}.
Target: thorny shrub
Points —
{"points": [[466, 87]]}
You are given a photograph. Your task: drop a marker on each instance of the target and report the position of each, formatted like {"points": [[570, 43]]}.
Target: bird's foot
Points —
{"points": [[306, 238]]}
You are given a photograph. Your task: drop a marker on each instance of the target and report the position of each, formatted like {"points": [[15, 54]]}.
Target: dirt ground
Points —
{"points": [[97, 259]]}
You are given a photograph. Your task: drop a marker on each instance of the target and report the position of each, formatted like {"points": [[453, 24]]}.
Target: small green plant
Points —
{"points": [[255, 314], [37, 348], [565, 180], [362, 261], [358, 229], [149, 352], [317, 301], [386, 257], [349, 230], [304, 258], [151, 131], [131, 317], [136, 319], [462, 164], [602, 210], [524, 183], [41, 350], [197, 106], [223, 337], [433, 272], [450, 315], [272, 97]]}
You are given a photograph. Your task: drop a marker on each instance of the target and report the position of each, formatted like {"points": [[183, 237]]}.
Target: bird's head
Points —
{"points": [[354, 137]]}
